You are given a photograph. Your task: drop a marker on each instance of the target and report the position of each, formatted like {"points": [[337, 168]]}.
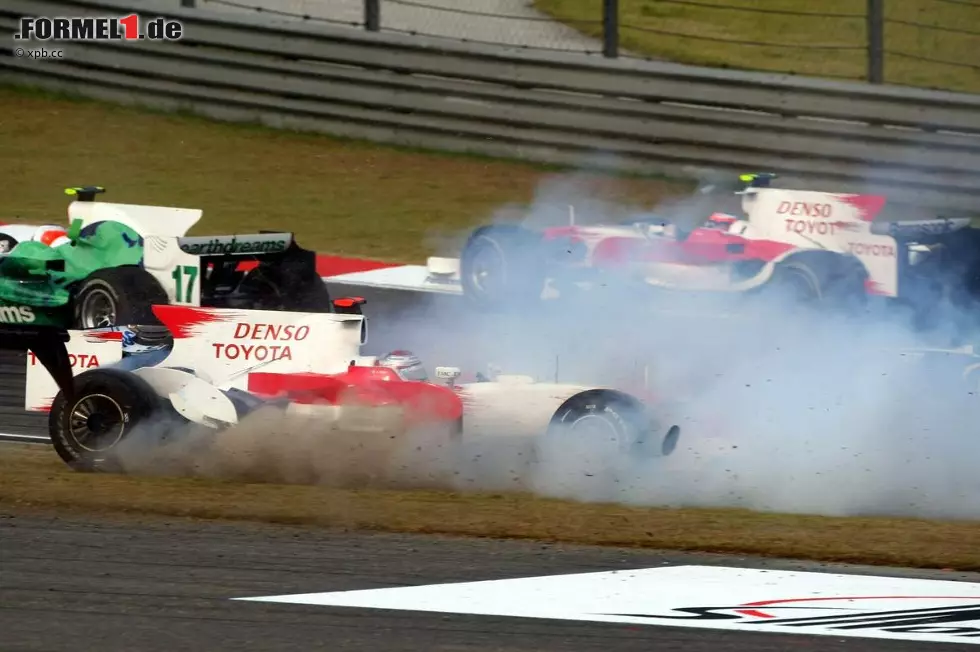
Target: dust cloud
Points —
{"points": [[369, 448], [782, 408]]}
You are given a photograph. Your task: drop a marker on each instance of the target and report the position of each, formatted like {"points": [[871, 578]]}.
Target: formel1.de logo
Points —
{"points": [[99, 28]]}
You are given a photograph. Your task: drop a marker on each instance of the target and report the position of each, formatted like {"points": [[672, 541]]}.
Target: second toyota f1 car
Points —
{"points": [[819, 245]]}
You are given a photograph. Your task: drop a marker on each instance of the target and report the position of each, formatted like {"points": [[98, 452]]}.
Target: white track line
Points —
{"points": [[24, 439]]}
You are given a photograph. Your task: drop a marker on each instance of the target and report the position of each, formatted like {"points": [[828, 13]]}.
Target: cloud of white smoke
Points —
{"points": [[782, 408]]}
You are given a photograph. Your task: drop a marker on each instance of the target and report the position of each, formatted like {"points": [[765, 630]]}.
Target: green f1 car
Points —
{"points": [[118, 260]]}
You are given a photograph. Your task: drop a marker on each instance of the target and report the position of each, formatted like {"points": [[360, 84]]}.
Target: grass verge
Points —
{"points": [[929, 43], [33, 478], [338, 196]]}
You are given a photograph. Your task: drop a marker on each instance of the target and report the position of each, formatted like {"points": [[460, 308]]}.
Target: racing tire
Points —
{"points": [[839, 281], [270, 288], [617, 416], [108, 405], [502, 265], [118, 296], [797, 282]]}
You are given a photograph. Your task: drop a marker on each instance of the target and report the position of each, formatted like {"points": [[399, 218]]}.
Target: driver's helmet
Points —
{"points": [[720, 221], [406, 364], [50, 235]]}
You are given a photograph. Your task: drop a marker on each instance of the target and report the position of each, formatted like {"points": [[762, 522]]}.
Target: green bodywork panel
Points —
{"points": [[36, 281]]}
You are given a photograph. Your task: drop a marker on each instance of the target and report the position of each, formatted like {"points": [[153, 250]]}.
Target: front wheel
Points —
{"points": [[107, 406], [502, 265]]}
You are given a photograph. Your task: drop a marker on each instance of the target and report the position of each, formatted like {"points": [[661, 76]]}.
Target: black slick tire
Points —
{"points": [[620, 417], [107, 406], [127, 293], [502, 266]]}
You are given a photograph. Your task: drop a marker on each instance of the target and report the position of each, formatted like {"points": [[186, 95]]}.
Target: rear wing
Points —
{"points": [[917, 229], [189, 268], [252, 244]]}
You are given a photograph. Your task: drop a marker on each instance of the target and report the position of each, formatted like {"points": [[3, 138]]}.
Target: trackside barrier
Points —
{"points": [[920, 147]]}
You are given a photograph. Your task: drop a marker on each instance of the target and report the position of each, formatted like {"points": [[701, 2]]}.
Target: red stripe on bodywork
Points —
{"points": [[103, 336], [868, 206], [875, 288], [183, 321], [328, 265], [367, 386]]}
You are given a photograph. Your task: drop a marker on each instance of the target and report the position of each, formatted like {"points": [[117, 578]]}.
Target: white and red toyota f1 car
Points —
{"points": [[816, 244], [224, 364]]}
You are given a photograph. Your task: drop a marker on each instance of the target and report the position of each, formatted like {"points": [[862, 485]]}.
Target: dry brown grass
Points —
{"points": [[651, 27], [34, 479], [338, 196]]}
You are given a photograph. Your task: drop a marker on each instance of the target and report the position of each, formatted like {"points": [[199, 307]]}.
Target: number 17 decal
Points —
{"points": [[184, 289]]}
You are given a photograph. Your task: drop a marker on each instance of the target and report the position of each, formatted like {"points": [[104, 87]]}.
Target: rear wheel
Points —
{"points": [[108, 404], [615, 421], [833, 280], [117, 296], [268, 287], [796, 282]]}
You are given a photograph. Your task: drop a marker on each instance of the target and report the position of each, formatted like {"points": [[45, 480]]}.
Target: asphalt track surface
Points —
{"points": [[153, 585]]}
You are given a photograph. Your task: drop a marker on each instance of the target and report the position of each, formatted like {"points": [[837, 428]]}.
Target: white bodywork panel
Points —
{"points": [[506, 408], [163, 221], [178, 272], [840, 223], [193, 398]]}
